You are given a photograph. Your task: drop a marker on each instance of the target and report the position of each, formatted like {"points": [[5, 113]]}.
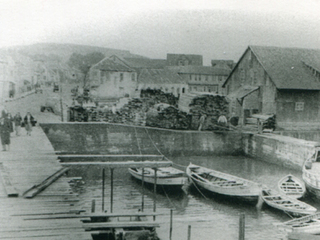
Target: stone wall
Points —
{"points": [[106, 138], [286, 151]]}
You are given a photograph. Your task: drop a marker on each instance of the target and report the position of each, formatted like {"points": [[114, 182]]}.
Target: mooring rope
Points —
{"points": [[154, 144], [198, 189], [168, 197]]}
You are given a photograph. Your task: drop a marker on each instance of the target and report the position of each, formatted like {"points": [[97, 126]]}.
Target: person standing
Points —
{"points": [[17, 123], [28, 122], [11, 122], [5, 133], [201, 121]]}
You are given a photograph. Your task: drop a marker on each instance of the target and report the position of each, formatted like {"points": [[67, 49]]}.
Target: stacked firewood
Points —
{"points": [[170, 117], [159, 96], [212, 107]]}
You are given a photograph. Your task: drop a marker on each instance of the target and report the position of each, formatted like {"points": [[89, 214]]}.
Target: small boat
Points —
{"points": [[307, 224], [292, 186], [166, 176], [287, 204], [311, 174], [222, 183]]}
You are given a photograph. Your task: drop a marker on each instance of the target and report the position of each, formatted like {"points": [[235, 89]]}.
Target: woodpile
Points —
{"points": [[170, 118], [159, 96], [213, 106]]}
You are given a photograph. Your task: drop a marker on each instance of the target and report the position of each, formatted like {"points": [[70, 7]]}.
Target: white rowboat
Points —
{"points": [[222, 183], [167, 176], [284, 203], [308, 224], [292, 186]]}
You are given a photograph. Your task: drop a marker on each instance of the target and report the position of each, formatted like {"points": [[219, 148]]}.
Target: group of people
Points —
{"points": [[9, 124]]}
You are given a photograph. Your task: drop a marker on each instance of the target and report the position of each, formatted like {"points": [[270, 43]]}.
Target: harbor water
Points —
{"points": [[210, 216]]}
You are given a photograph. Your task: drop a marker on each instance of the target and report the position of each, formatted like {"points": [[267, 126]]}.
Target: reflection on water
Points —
{"points": [[210, 216]]}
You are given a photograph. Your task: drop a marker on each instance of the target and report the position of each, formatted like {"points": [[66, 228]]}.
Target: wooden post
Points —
{"points": [[103, 173], [189, 232], [93, 205], [142, 204], [111, 197], [241, 226], [170, 233], [155, 192]]}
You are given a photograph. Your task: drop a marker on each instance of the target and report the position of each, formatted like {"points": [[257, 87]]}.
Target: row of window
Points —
{"points": [[172, 90], [199, 77], [103, 74], [213, 89]]}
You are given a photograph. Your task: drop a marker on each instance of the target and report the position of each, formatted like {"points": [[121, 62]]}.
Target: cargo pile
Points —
{"points": [[212, 106]]}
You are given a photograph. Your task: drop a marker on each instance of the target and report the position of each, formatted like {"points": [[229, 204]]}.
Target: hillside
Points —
{"points": [[64, 51]]}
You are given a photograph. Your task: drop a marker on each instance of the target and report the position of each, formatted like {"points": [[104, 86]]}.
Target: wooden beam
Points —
{"points": [[34, 190], [120, 224], [127, 164], [108, 156], [98, 215], [8, 186]]}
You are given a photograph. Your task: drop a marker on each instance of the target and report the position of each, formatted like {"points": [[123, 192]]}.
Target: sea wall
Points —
{"points": [[106, 138], [282, 150]]}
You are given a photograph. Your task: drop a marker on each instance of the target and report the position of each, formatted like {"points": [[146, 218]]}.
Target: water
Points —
{"points": [[210, 216]]}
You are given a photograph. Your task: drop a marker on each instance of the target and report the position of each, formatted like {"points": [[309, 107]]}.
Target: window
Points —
{"points": [[199, 77], [121, 77], [207, 78], [190, 77], [299, 106], [242, 76], [133, 77], [182, 90]]}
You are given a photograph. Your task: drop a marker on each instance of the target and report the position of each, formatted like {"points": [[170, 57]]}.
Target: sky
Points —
{"points": [[215, 29]]}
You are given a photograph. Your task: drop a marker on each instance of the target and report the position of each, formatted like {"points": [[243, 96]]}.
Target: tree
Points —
{"points": [[84, 62]]}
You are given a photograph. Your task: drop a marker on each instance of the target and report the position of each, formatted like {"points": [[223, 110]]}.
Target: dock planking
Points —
{"points": [[32, 161], [9, 188]]}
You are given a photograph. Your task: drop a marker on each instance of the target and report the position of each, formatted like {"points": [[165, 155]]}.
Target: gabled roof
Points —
{"points": [[205, 70], [159, 76], [146, 63], [287, 66], [109, 64]]}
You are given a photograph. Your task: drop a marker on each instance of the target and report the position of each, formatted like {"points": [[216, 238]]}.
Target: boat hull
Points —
{"points": [[164, 181], [249, 192], [292, 186], [311, 180]]}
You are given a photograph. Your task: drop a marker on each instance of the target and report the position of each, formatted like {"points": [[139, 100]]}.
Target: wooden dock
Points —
{"points": [[28, 166]]}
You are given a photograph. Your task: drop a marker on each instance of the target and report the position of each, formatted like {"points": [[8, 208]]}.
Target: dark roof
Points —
{"points": [[109, 64], [205, 70], [146, 63], [287, 67], [160, 76]]}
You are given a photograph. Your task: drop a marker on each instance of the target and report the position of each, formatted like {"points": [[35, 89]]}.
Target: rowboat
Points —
{"points": [[307, 224], [311, 173], [222, 183], [287, 204], [166, 176], [292, 186]]}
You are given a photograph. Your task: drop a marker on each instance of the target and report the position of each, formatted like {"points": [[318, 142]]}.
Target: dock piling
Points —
{"points": [[170, 233], [93, 205], [103, 178], [111, 197], [241, 226], [189, 232], [142, 204], [155, 193]]}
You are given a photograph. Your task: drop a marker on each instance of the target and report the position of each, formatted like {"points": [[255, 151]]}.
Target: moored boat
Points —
{"points": [[223, 183], [287, 204], [292, 186], [167, 176], [307, 224], [311, 174]]}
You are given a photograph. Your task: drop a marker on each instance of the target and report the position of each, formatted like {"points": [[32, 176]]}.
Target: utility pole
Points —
{"points": [[61, 104]]}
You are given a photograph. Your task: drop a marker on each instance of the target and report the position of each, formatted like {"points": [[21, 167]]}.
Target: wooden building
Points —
{"points": [[280, 81], [113, 78], [164, 80], [203, 78]]}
